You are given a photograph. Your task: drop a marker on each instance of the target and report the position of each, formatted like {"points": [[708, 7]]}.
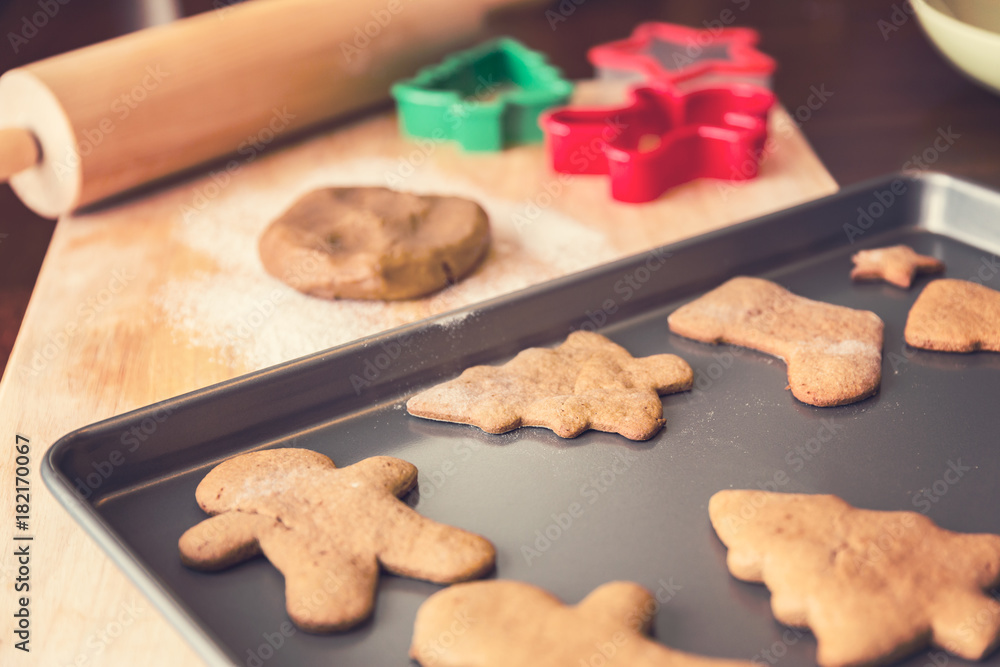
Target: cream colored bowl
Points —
{"points": [[967, 32]]}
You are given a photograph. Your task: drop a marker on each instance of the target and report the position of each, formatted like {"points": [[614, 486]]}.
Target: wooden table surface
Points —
{"points": [[886, 100]]}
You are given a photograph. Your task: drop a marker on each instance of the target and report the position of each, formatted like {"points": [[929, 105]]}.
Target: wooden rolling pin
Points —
{"points": [[92, 123]]}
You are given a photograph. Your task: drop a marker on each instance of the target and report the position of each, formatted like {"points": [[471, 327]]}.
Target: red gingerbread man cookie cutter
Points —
{"points": [[663, 138]]}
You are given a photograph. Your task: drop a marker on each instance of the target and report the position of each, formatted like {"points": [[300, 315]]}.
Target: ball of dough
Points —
{"points": [[374, 243]]}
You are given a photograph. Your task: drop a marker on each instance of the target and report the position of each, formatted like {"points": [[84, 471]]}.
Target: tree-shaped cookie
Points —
{"points": [[326, 529], [503, 623], [872, 586], [833, 353], [897, 265], [588, 382], [955, 316]]}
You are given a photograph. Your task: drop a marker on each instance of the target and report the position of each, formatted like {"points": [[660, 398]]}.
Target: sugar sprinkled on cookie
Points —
{"points": [[588, 382], [833, 353]]}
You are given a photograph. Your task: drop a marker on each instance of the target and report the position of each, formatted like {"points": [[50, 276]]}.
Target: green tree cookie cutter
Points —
{"points": [[485, 98]]}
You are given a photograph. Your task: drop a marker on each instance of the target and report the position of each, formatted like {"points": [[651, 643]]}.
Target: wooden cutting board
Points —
{"points": [[163, 294]]}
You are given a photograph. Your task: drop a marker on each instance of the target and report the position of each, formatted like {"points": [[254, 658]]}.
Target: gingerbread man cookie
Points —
{"points": [[316, 522]]}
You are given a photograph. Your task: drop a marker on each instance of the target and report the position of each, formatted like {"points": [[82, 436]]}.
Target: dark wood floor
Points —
{"points": [[887, 93]]}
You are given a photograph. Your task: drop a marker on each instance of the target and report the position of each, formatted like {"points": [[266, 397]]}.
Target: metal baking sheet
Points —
{"points": [[926, 442]]}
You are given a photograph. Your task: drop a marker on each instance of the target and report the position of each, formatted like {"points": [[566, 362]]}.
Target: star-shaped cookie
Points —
{"points": [[955, 316], [872, 586], [326, 529], [588, 382], [504, 623], [897, 265]]}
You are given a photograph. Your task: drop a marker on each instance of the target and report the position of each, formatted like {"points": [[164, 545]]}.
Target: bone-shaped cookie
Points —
{"points": [[872, 586], [955, 316], [897, 265], [833, 353], [588, 382], [327, 529], [502, 623]]}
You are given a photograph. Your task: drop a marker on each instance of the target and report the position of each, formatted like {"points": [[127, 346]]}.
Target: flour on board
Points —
{"points": [[252, 320]]}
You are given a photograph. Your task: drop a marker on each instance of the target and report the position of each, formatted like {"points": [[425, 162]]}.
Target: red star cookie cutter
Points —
{"points": [[685, 57], [663, 138]]}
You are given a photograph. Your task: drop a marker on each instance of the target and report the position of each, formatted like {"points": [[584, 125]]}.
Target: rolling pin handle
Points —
{"points": [[19, 150]]}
